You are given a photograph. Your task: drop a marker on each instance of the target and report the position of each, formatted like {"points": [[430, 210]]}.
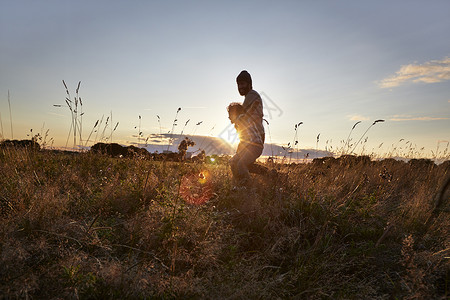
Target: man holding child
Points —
{"points": [[248, 121]]}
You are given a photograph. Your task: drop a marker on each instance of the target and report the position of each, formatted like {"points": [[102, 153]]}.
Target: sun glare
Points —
{"points": [[196, 188]]}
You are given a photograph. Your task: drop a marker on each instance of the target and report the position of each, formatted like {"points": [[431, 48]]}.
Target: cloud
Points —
{"points": [[429, 72], [358, 118], [409, 118]]}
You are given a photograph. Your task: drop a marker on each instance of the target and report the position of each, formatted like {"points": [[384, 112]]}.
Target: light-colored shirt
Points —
{"points": [[249, 125]]}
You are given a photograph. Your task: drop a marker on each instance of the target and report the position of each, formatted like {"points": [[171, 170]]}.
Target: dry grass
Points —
{"points": [[90, 226]]}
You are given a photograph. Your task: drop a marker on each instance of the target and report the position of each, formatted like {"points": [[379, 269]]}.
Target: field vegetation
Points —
{"points": [[90, 226]]}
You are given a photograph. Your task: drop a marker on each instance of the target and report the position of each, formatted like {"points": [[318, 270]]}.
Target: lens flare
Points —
{"points": [[196, 188]]}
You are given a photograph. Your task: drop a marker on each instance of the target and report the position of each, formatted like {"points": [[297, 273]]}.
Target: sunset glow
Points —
{"points": [[326, 64]]}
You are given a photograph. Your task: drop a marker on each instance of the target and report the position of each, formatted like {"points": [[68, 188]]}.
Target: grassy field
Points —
{"points": [[94, 227]]}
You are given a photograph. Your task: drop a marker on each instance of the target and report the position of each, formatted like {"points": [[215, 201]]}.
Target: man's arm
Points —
{"points": [[255, 111], [253, 107]]}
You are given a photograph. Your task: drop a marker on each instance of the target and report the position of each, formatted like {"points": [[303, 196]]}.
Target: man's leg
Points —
{"points": [[258, 169], [233, 165], [248, 155]]}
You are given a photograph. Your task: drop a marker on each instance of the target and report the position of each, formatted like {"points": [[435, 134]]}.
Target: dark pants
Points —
{"points": [[243, 160]]}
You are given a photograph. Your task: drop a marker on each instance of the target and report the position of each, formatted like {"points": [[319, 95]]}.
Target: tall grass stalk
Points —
{"points": [[185, 124], [81, 113], [173, 128], [99, 125], [111, 128], [10, 117], [159, 122], [102, 137], [89, 137], [76, 111], [112, 131], [1, 125], [436, 156], [270, 138], [139, 130], [295, 142], [394, 148], [317, 144], [204, 138], [195, 128], [347, 142], [375, 122]]}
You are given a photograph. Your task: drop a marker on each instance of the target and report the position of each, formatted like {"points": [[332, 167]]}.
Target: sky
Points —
{"points": [[327, 64]]}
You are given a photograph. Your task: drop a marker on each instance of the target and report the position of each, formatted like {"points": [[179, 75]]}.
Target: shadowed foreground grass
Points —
{"points": [[90, 226]]}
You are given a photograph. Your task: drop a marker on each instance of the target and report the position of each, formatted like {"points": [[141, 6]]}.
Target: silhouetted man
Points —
{"points": [[250, 121]]}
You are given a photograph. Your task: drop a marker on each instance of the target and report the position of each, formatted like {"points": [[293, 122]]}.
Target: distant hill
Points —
{"points": [[214, 145]]}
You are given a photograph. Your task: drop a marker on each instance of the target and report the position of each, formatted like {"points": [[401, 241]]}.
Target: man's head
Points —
{"points": [[244, 82], [234, 110]]}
